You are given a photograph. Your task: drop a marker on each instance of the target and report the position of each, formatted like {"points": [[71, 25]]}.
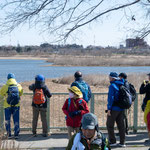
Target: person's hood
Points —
{"points": [[118, 82], [39, 84], [11, 81], [78, 79]]}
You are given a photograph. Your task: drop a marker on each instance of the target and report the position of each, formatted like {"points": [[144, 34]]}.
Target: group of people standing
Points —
{"points": [[83, 129], [12, 91]]}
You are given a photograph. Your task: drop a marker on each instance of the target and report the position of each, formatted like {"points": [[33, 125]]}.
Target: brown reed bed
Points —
{"points": [[110, 60], [102, 81]]}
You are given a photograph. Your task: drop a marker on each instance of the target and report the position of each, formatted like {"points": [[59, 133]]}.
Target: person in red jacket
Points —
{"points": [[74, 108]]}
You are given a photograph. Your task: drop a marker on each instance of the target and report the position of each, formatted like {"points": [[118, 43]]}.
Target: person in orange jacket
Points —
{"points": [[74, 108]]}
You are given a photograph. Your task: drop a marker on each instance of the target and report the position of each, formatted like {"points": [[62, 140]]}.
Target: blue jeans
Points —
{"points": [[14, 111]]}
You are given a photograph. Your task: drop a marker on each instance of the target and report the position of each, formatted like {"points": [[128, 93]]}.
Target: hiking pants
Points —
{"points": [[43, 114], [72, 131], [126, 122], [14, 111], [118, 117]]}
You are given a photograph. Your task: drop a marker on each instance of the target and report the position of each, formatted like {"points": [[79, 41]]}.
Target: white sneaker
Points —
{"points": [[122, 145], [113, 144]]}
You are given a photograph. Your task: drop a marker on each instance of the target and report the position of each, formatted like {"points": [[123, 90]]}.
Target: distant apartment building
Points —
{"points": [[137, 42]]}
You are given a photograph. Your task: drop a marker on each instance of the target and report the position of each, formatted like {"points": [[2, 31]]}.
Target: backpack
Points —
{"points": [[38, 97], [13, 95], [84, 89], [124, 99], [69, 102], [132, 91]]}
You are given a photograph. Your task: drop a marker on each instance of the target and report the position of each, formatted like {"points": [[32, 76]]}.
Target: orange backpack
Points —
{"points": [[38, 97]]}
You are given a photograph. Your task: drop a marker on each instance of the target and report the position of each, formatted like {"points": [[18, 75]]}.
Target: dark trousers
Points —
{"points": [[118, 117], [14, 112], [126, 122], [42, 112]]}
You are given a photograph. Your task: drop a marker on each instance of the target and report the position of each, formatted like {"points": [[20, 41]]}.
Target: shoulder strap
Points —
{"points": [[13, 85], [69, 102]]}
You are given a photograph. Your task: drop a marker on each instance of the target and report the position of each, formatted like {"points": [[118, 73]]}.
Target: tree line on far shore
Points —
{"points": [[71, 49]]}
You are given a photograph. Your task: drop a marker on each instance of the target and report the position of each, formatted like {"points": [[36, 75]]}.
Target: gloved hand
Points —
{"points": [[81, 107], [74, 113]]}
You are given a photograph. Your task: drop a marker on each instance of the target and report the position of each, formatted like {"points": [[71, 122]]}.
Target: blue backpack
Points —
{"points": [[84, 89], [13, 95], [69, 102]]}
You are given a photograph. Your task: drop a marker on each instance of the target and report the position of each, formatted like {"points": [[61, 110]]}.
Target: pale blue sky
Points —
{"points": [[112, 31]]}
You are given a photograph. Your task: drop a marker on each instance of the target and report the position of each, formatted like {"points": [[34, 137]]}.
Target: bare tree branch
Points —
{"points": [[61, 17], [94, 18]]}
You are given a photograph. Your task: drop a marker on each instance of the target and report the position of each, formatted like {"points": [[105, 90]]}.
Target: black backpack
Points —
{"points": [[132, 91], [13, 95], [125, 98]]}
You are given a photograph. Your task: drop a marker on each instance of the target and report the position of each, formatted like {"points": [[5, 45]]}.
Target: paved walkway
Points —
{"points": [[59, 142]]}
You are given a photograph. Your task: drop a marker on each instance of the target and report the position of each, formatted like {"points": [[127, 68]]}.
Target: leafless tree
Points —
{"points": [[62, 17]]}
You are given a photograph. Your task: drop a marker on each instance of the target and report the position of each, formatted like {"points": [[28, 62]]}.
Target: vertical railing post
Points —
{"points": [[48, 114], [1, 114], [135, 115], [92, 109]]}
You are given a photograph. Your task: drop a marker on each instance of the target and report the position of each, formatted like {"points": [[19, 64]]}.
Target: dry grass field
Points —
{"points": [[98, 83], [108, 60]]}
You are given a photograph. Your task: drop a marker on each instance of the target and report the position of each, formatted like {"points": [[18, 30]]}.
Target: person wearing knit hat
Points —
{"points": [[74, 108], [82, 85], [12, 92], [39, 103], [114, 112], [10, 75]]}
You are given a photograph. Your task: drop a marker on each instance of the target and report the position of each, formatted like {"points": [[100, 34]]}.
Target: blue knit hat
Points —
{"points": [[40, 78], [10, 75], [114, 75]]}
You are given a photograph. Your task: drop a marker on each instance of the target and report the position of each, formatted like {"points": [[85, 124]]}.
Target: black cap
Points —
{"points": [[123, 75], [78, 74], [148, 74]]}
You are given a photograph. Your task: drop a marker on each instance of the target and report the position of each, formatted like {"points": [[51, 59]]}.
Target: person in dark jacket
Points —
{"points": [[124, 76], [89, 137], [115, 113], [126, 84], [40, 108], [82, 85], [145, 89]]}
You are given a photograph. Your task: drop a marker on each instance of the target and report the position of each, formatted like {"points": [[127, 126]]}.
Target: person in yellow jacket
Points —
{"points": [[11, 92], [147, 119]]}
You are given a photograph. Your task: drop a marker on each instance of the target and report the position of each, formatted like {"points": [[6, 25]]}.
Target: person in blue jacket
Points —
{"points": [[82, 85], [115, 113]]}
